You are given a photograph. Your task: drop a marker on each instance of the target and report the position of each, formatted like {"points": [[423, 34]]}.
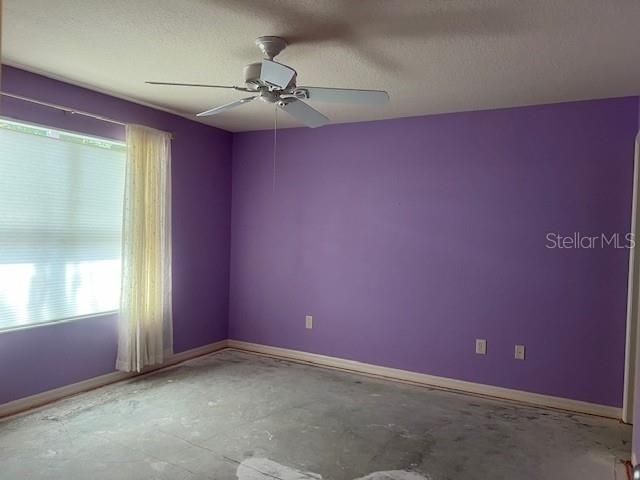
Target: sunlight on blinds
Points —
{"points": [[61, 200]]}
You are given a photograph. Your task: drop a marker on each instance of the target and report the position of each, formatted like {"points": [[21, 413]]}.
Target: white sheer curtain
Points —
{"points": [[145, 324]]}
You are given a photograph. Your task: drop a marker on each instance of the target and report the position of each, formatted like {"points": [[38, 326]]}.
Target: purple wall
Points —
{"points": [[46, 357], [407, 239]]}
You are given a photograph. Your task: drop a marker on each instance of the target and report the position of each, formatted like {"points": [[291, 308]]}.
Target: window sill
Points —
{"points": [[57, 322]]}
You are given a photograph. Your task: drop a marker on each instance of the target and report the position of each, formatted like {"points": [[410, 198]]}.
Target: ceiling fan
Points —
{"points": [[273, 82]]}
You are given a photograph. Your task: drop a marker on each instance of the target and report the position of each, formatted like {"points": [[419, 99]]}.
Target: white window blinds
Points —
{"points": [[61, 200]]}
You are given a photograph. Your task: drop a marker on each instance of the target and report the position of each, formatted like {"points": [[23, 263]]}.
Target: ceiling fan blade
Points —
{"points": [[304, 113], [345, 95], [224, 108], [276, 74], [189, 85]]}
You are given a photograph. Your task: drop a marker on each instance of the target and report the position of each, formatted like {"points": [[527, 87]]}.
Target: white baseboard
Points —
{"points": [[196, 352], [40, 399], [405, 376], [422, 379]]}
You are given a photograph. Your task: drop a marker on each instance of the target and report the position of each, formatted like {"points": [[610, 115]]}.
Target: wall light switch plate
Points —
{"points": [[519, 352], [308, 322], [481, 346]]}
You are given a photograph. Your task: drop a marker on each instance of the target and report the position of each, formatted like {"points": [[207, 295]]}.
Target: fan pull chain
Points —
{"points": [[275, 138]]}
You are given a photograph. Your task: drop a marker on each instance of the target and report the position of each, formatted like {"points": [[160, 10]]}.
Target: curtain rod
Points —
{"points": [[67, 109]]}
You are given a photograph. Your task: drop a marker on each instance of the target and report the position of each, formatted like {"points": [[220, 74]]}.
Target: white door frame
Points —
{"points": [[633, 299]]}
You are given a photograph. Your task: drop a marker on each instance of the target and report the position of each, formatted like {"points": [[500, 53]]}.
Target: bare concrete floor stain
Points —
{"points": [[204, 418]]}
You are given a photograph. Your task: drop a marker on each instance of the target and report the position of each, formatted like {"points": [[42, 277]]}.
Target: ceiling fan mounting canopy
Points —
{"points": [[271, 46], [274, 82]]}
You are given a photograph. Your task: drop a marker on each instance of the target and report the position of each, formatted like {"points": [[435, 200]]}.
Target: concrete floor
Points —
{"points": [[236, 415]]}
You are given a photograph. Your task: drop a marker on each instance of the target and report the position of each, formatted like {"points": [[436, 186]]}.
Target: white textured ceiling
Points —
{"points": [[432, 56]]}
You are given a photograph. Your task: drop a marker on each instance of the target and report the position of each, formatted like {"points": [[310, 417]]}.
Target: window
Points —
{"points": [[61, 198]]}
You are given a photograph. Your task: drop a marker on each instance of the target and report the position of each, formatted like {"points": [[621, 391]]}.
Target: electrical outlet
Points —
{"points": [[308, 322], [481, 346], [519, 352]]}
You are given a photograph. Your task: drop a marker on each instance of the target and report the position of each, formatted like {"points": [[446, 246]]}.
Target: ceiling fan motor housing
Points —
{"points": [[251, 74]]}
